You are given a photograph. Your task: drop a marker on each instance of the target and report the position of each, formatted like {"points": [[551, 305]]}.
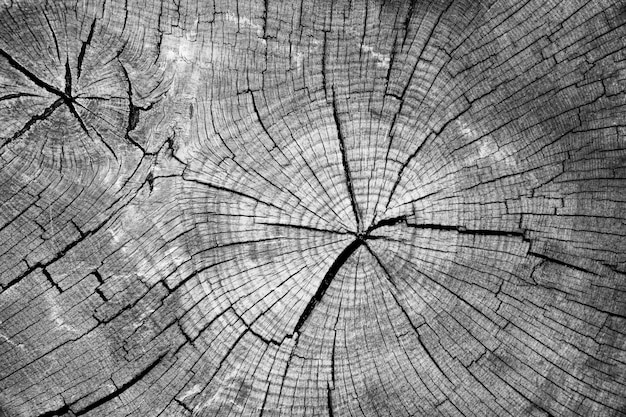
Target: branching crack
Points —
{"points": [[64, 96]]}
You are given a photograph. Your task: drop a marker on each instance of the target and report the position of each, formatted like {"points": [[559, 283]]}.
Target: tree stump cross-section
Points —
{"points": [[312, 208]]}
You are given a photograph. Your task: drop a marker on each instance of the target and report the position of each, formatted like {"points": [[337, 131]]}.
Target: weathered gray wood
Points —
{"points": [[312, 208]]}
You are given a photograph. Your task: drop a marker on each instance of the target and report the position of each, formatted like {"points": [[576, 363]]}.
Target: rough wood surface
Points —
{"points": [[320, 208]]}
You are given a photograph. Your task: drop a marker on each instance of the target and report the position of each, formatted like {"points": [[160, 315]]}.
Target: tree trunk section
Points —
{"points": [[293, 208]]}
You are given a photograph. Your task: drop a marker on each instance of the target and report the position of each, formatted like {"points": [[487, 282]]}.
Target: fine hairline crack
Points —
{"points": [[346, 166]]}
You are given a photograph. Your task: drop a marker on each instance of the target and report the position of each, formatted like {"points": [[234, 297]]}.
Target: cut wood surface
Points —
{"points": [[312, 208]]}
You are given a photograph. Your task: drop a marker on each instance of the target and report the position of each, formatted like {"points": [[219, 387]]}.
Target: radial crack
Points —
{"points": [[344, 160], [46, 113], [459, 229], [72, 109], [326, 281], [83, 49], [302, 227], [68, 79], [30, 75], [406, 315], [230, 190], [329, 399], [16, 95]]}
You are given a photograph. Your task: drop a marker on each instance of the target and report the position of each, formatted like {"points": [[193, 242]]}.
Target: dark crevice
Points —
{"points": [[70, 106], [39, 82], [324, 50], [346, 166], [57, 256], [101, 295], [83, 49], [249, 325], [465, 230], [68, 80], [185, 406], [150, 180], [106, 144], [182, 331], [387, 222], [54, 37], [561, 263], [392, 58], [171, 147], [123, 388], [459, 229], [16, 95], [133, 111], [329, 397], [265, 10], [69, 100], [326, 281], [407, 20], [66, 409], [53, 413], [45, 114], [133, 118], [94, 114], [100, 283], [361, 238], [258, 115], [64, 96], [52, 282], [382, 266], [365, 14], [159, 39], [332, 354]]}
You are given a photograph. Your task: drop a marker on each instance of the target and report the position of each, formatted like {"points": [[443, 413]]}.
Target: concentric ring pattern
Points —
{"points": [[385, 208]]}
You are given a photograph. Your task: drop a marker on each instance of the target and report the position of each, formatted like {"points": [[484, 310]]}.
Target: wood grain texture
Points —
{"points": [[312, 208]]}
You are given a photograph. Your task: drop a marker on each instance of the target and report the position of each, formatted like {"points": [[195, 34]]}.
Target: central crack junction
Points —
{"points": [[360, 239]]}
